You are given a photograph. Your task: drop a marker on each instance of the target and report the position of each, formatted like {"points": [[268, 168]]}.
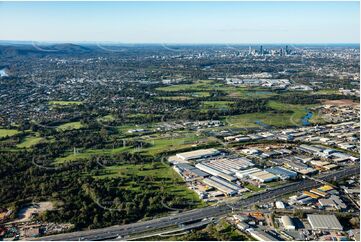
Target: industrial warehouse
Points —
{"points": [[253, 169], [324, 222], [216, 174], [228, 174]]}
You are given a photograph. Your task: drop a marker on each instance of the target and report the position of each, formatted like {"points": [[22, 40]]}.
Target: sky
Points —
{"points": [[181, 22]]}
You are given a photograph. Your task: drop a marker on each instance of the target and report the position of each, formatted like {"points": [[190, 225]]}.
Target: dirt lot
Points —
{"points": [[341, 102], [26, 212]]}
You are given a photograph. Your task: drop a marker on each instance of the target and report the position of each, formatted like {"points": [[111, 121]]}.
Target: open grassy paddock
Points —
{"points": [[64, 103], [249, 120], [87, 154], [200, 85], [216, 104], [8, 132], [202, 88], [170, 142], [299, 111], [158, 174], [106, 118], [288, 115], [70, 126], [29, 141], [174, 98]]}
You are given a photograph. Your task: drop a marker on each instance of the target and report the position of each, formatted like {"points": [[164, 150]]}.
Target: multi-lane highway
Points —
{"points": [[197, 214]]}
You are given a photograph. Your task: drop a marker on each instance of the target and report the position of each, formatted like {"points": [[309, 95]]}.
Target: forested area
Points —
{"points": [[80, 198]]}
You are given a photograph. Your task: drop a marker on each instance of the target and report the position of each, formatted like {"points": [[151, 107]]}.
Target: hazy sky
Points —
{"points": [[182, 22]]}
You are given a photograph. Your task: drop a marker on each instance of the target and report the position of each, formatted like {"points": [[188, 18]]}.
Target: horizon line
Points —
{"points": [[170, 43]]}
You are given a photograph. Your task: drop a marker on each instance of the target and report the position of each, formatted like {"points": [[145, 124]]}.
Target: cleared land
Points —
{"points": [[172, 143], [64, 103], [26, 212], [200, 94], [200, 85], [87, 154], [254, 188], [299, 111], [249, 120], [29, 141], [175, 98], [158, 174], [106, 118], [157, 145], [202, 88], [125, 128], [216, 104], [340, 102], [69, 126], [8, 132], [327, 91], [143, 115], [288, 115]]}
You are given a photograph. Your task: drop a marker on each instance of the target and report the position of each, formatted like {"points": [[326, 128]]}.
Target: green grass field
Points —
{"points": [[205, 86], [298, 110], [327, 91], [143, 115], [29, 141], [216, 104], [174, 98], [159, 174], [69, 126], [158, 145], [124, 128], [106, 118], [185, 96], [200, 94], [255, 93], [8, 132], [254, 188], [165, 144], [199, 87], [291, 116], [249, 120], [64, 103], [87, 154]]}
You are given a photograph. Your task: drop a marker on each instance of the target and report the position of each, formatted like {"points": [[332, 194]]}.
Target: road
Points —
{"points": [[197, 214], [168, 233]]}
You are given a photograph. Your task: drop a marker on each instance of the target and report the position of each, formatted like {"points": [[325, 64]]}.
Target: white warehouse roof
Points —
{"points": [[324, 222], [219, 186], [215, 172], [287, 223], [197, 154]]}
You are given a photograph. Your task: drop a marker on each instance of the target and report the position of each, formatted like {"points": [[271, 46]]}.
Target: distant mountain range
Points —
{"points": [[28, 48], [42, 50]]}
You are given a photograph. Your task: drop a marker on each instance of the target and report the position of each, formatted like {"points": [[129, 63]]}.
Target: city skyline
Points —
{"points": [[182, 22]]}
